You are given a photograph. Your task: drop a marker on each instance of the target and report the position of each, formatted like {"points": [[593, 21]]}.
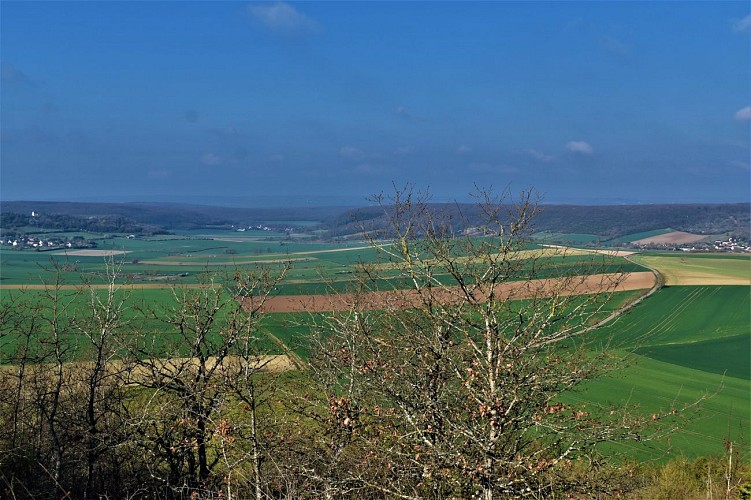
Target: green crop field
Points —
{"points": [[176, 260], [656, 386], [679, 314], [689, 341], [181, 260], [568, 238], [725, 355], [639, 236], [144, 315]]}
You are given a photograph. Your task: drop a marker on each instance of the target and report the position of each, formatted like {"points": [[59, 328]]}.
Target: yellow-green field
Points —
{"points": [[705, 269]]}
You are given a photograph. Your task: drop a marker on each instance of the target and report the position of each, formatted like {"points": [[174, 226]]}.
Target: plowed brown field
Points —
{"points": [[672, 238], [402, 299]]}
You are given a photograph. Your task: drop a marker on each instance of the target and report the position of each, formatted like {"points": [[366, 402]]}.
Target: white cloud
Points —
{"points": [[283, 18], [741, 164], [743, 114], [404, 150], [277, 158], [351, 153], [740, 25], [580, 147], [463, 150], [540, 156], [211, 160]]}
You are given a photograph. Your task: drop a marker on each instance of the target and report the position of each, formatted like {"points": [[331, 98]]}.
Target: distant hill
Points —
{"points": [[615, 221], [607, 221], [170, 216]]}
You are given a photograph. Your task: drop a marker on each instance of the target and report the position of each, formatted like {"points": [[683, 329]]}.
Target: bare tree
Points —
{"points": [[213, 357], [20, 318], [458, 383], [51, 380], [101, 372], [250, 377]]}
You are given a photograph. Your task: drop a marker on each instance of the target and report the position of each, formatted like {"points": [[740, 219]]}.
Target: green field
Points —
{"points": [[725, 355], [689, 341], [680, 314], [568, 238], [639, 236], [655, 386], [180, 259]]}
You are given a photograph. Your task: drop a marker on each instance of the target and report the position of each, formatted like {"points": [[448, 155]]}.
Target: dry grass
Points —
{"points": [[267, 364], [688, 270]]}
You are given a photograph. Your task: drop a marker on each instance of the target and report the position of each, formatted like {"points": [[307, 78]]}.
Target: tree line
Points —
{"points": [[16, 223]]}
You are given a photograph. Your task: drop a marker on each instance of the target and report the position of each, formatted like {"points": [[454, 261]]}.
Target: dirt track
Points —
{"points": [[410, 298]]}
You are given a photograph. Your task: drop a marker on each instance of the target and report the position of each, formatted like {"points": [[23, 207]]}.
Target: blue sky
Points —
{"points": [[323, 102]]}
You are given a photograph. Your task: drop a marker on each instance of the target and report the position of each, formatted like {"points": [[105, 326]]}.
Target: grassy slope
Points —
{"points": [[683, 314], [654, 385], [688, 337]]}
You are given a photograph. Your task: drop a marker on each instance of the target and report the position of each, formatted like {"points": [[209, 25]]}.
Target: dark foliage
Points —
{"points": [[12, 221], [175, 216], [610, 222]]}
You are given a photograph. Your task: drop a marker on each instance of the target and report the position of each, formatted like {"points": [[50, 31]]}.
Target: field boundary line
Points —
{"points": [[291, 355], [659, 283]]}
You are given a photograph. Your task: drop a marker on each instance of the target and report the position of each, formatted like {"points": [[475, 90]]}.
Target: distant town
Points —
{"points": [[729, 245]]}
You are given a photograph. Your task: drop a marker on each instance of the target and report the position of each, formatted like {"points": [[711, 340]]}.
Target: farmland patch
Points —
{"points": [[680, 314], [689, 269], [91, 253], [654, 386], [637, 236], [671, 238], [568, 238], [409, 298], [601, 251], [223, 262], [726, 355]]}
